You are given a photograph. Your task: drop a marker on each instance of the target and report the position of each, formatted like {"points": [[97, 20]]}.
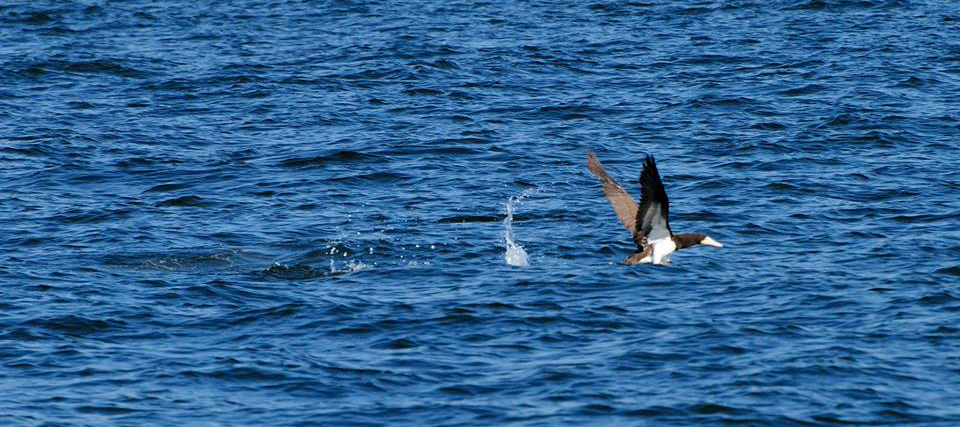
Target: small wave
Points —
{"points": [[184, 201], [457, 219], [803, 90], [76, 325], [342, 156], [384, 177], [162, 261], [514, 254], [105, 410], [162, 188], [300, 271]]}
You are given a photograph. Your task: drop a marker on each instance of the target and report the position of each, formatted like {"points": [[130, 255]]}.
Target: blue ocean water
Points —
{"points": [[295, 213]]}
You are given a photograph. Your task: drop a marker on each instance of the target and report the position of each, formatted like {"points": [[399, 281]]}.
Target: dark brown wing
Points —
{"points": [[623, 204], [653, 215]]}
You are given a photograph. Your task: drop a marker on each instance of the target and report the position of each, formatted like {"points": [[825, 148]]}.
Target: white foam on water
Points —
{"points": [[348, 267], [514, 254]]}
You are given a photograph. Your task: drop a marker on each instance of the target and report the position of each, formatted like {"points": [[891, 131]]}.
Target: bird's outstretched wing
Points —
{"points": [[623, 204], [652, 220]]}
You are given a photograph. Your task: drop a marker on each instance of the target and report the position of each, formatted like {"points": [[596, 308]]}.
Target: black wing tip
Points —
{"points": [[650, 168], [650, 181]]}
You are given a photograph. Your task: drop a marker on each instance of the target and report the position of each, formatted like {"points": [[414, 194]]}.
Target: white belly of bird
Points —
{"points": [[660, 239], [661, 248]]}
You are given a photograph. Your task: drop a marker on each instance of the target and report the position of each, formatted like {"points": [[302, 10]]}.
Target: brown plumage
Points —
{"points": [[647, 222]]}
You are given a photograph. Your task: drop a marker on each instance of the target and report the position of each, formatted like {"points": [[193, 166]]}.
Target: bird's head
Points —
{"points": [[707, 240], [685, 240]]}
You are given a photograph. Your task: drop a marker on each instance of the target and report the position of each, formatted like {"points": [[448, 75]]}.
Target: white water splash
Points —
{"points": [[515, 254], [348, 267]]}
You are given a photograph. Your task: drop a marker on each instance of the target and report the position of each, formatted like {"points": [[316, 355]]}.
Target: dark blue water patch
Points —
{"points": [[184, 201], [954, 270], [74, 325], [340, 156]]}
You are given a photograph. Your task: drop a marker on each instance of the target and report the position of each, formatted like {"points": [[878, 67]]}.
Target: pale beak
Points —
{"points": [[708, 241]]}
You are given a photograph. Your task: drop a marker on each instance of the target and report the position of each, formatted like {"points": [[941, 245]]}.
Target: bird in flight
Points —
{"points": [[648, 222]]}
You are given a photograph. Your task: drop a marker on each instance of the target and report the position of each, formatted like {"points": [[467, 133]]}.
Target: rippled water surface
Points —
{"points": [[295, 213]]}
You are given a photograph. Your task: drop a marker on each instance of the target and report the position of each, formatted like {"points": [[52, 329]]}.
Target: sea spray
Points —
{"points": [[514, 254]]}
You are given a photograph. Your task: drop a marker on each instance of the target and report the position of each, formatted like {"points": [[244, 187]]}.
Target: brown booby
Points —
{"points": [[649, 222]]}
